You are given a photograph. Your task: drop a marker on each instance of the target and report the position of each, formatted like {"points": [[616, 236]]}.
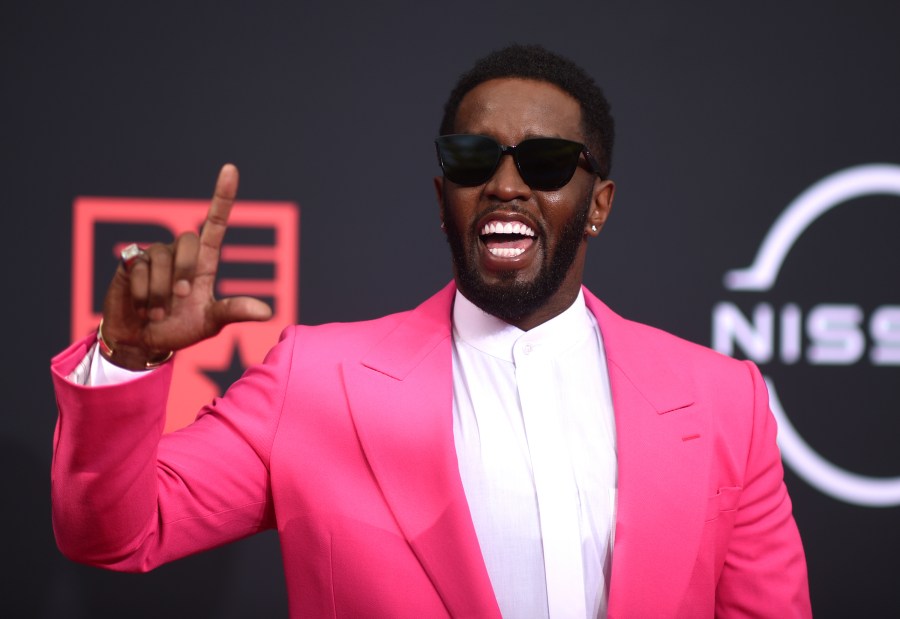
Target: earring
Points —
{"points": [[443, 226], [593, 228]]}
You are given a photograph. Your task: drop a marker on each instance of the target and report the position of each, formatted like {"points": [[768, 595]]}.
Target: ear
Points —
{"points": [[601, 204], [439, 189]]}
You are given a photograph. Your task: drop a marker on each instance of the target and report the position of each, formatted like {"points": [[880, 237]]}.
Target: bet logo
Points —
{"points": [[259, 258], [819, 311]]}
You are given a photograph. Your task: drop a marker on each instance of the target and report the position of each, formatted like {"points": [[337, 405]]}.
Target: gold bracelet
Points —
{"points": [[107, 351]]}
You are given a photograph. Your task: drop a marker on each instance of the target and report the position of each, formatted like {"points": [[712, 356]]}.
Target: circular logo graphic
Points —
{"points": [[830, 192]]}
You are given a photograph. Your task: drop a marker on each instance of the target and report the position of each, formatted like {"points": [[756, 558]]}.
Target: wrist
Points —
{"points": [[130, 357]]}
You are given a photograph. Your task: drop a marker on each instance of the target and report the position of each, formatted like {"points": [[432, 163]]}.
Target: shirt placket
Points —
{"points": [[554, 481]]}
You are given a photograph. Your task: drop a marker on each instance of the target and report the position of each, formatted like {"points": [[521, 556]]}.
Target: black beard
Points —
{"points": [[511, 300]]}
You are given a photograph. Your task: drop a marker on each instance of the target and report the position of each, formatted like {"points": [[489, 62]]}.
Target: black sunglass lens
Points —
{"points": [[547, 163], [468, 159]]}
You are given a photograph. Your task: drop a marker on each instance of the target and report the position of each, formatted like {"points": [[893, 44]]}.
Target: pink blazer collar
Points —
{"points": [[664, 458]]}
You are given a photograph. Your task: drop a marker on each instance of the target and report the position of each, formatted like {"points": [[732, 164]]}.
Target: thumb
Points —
{"points": [[239, 309]]}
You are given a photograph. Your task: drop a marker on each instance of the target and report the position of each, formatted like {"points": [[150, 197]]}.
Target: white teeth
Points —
{"points": [[495, 227], [506, 252]]}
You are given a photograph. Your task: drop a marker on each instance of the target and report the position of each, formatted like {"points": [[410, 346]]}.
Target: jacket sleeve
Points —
{"points": [[127, 497], [764, 574]]}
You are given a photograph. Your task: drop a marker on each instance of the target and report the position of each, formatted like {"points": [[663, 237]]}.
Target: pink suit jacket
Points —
{"points": [[343, 441]]}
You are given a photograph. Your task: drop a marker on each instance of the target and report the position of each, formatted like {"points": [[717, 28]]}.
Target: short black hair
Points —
{"points": [[534, 62]]}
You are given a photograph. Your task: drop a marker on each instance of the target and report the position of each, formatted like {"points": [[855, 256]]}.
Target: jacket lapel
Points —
{"points": [[664, 452], [400, 398]]}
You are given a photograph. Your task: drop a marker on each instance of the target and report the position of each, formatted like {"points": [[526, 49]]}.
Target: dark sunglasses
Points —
{"points": [[543, 163]]}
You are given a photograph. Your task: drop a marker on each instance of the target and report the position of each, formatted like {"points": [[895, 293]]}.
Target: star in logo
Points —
{"points": [[225, 376]]}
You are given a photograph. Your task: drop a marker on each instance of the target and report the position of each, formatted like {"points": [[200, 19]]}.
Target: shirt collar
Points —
{"points": [[497, 338]]}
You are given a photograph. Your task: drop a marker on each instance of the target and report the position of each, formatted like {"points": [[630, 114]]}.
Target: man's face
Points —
{"points": [[532, 274]]}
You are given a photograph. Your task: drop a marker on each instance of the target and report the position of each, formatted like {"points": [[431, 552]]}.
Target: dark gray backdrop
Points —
{"points": [[725, 110]]}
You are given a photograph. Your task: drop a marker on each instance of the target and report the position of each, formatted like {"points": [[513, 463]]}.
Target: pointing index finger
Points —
{"points": [[213, 232]]}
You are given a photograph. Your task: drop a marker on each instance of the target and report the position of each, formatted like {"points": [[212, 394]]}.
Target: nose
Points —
{"points": [[506, 184]]}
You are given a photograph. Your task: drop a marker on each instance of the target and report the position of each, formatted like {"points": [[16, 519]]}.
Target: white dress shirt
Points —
{"points": [[535, 439]]}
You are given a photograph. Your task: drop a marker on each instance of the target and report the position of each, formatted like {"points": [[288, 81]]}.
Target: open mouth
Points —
{"points": [[507, 239]]}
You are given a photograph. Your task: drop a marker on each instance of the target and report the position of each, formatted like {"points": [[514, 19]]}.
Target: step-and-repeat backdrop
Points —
{"points": [[757, 212]]}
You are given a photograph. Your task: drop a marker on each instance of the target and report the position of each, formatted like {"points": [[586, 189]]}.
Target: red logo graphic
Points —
{"points": [[259, 258]]}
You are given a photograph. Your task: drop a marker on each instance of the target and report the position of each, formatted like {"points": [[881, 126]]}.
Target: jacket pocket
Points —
{"points": [[725, 500]]}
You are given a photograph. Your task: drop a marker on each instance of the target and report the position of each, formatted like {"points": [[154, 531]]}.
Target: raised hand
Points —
{"points": [[164, 300]]}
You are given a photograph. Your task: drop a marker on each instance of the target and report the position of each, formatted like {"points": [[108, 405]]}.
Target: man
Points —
{"points": [[510, 446]]}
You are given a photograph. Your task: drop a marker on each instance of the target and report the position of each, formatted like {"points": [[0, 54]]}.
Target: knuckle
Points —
{"points": [[186, 240], [161, 257], [138, 293]]}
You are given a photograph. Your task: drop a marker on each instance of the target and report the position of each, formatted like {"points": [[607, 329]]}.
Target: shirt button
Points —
{"points": [[527, 348]]}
